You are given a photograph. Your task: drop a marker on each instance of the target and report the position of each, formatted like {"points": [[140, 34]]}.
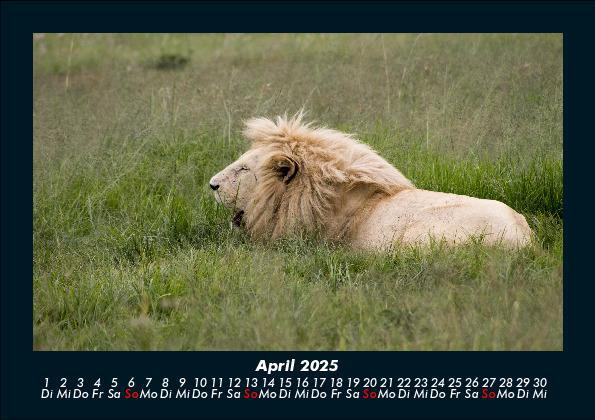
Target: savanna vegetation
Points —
{"points": [[132, 252]]}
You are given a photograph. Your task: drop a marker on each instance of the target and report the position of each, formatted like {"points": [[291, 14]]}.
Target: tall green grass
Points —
{"points": [[132, 252]]}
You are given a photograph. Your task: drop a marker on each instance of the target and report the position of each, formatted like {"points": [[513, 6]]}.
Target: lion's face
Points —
{"points": [[296, 179], [234, 185]]}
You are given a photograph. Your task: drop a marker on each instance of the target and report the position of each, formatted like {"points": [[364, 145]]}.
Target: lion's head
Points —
{"points": [[299, 178]]}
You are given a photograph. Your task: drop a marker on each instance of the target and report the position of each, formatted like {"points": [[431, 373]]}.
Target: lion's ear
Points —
{"points": [[286, 167]]}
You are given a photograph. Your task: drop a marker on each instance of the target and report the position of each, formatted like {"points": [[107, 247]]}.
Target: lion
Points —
{"points": [[296, 179]]}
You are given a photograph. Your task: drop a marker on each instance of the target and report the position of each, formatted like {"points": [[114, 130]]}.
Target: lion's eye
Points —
{"points": [[243, 168]]}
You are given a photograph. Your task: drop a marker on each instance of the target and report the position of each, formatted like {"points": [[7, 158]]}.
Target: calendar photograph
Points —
{"points": [[297, 192]]}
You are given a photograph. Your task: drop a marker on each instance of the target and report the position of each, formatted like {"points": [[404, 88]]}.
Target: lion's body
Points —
{"points": [[296, 178], [415, 216]]}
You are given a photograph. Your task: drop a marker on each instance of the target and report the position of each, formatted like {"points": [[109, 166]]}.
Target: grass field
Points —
{"points": [[132, 252]]}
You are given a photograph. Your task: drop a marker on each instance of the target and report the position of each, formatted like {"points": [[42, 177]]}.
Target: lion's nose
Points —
{"points": [[214, 187]]}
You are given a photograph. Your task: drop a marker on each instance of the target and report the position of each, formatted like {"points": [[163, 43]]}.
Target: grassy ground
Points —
{"points": [[132, 252]]}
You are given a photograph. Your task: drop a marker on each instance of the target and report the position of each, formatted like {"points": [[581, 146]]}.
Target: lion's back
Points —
{"points": [[418, 216]]}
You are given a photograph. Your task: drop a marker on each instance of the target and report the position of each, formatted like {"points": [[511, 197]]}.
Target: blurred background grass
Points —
{"points": [[131, 251]]}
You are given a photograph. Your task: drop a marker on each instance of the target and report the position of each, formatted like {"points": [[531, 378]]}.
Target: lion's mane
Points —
{"points": [[304, 172]]}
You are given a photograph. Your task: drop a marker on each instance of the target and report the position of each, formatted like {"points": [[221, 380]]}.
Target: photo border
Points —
{"points": [[569, 371]]}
